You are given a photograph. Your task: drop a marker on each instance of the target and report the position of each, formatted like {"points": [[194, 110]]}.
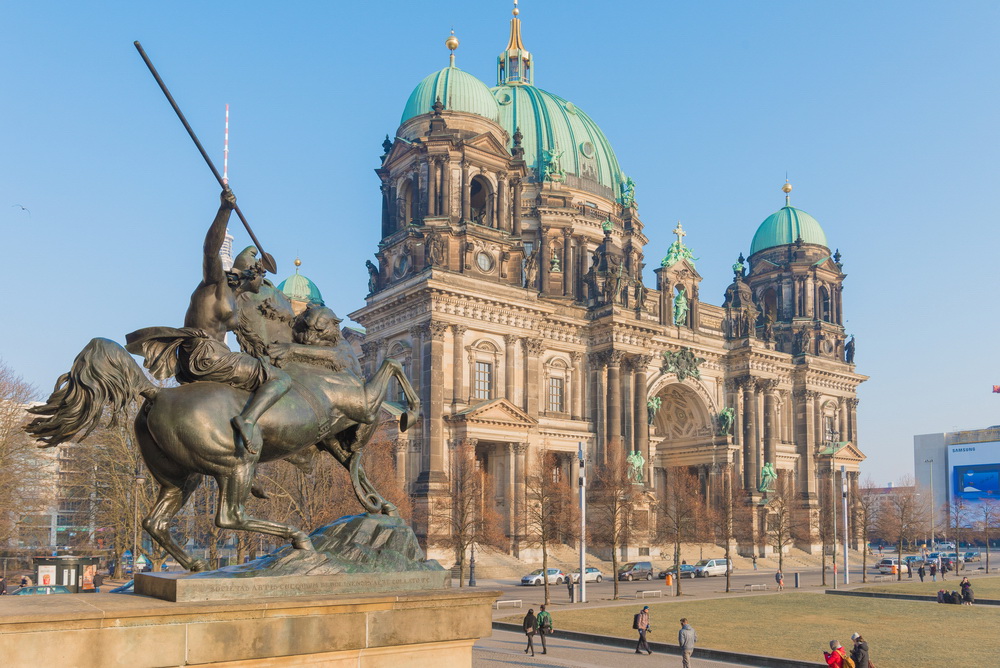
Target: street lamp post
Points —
{"points": [[583, 525], [472, 566], [139, 479], [843, 482], [931, 471]]}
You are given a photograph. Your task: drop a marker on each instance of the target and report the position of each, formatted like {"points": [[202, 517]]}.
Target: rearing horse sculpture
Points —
{"points": [[185, 433]]}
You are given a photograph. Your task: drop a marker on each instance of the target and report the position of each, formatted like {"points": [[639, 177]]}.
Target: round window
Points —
{"points": [[587, 149], [484, 261], [402, 266]]}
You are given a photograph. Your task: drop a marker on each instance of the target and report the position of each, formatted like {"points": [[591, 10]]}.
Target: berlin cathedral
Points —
{"points": [[509, 283]]}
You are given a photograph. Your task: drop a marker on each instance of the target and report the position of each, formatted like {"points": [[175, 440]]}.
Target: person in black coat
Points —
{"points": [[859, 654], [530, 627]]}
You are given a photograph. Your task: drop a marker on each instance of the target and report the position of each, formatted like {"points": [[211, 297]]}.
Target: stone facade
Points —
{"points": [[515, 299]]}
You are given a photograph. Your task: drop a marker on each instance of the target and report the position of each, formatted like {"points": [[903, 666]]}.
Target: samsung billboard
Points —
{"points": [[974, 471]]}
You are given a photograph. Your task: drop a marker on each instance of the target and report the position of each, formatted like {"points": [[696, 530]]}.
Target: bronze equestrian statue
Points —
{"points": [[225, 418]]}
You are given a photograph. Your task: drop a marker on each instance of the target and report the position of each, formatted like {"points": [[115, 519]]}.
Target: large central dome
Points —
{"points": [[553, 129]]}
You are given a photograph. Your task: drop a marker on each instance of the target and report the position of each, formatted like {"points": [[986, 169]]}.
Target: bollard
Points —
{"points": [[796, 580]]}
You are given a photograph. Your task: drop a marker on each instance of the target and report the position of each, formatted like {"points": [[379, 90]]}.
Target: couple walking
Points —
{"points": [[540, 624], [686, 637]]}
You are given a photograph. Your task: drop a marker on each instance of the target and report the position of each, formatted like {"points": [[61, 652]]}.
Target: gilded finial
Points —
{"points": [[452, 44], [787, 188], [516, 10], [298, 263]]}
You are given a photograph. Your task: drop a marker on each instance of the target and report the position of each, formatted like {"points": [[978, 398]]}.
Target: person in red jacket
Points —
{"points": [[835, 657]]}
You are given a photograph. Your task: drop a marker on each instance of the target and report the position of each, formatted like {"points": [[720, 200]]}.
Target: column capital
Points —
{"points": [[511, 339], [400, 445], [767, 385], [437, 330], [853, 402], [745, 383], [520, 448], [533, 347], [418, 331], [808, 395], [576, 357], [641, 362], [615, 357]]}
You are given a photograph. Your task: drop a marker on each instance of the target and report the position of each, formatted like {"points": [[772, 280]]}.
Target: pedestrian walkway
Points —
{"points": [[506, 648]]}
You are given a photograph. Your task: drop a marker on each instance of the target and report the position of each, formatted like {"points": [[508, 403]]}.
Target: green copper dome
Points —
{"points": [[458, 91], [299, 288], [786, 226], [551, 126]]}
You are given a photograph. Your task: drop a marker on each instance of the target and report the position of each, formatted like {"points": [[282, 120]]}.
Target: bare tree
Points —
{"points": [[960, 515], [472, 517], [24, 490], [549, 511], [782, 524], [902, 516], [867, 517], [612, 500], [722, 517], [681, 515], [987, 515]]}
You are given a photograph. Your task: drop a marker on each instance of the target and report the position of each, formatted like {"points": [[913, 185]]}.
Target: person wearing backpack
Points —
{"points": [[544, 620], [837, 656], [860, 652], [641, 623]]}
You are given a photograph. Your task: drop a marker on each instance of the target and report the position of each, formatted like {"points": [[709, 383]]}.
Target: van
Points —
{"points": [[636, 570], [707, 567], [887, 565]]}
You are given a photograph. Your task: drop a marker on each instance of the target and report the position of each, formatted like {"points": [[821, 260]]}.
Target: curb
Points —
{"points": [[903, 597], [664, 648]]}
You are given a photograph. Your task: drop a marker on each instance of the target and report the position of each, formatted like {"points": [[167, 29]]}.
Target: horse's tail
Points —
{"points": [[103, 374]]}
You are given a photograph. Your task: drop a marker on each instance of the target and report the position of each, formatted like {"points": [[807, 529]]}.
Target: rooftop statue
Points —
{"points": [[295, 386]]}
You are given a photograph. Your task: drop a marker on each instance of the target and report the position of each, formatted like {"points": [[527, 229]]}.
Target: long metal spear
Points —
{"points": [[266, 259]]}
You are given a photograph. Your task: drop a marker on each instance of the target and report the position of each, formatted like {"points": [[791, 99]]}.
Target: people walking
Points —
{"points": [[641, 623], [933, 572], [859, 653], [569, 588], [921, 572], [686, 638], [779, 579], [98, 581], [755, 562], [544, 621], [530, 627], [835, 657]]}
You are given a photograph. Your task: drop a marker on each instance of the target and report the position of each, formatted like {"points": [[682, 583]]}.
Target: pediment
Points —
{"points": [[496, 412], [489, 143], [844, 452], [682, 268]]}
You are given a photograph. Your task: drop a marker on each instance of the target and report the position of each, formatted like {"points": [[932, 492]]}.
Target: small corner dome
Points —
{"points": [[458, 90], [298, 288], [784, 227]]}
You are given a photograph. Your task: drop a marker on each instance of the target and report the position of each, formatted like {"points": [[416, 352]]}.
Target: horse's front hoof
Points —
{"points": [[301, 541], [406, 420]]}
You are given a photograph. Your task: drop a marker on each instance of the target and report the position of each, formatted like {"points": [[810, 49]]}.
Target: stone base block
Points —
{"points": [[182, 587], [433, 629]]}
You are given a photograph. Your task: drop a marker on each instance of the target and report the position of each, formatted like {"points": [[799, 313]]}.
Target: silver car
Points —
{"points": [[534, 578]]}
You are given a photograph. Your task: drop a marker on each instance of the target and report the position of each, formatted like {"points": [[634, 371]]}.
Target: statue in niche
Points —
{"points": [[680, 308], [435, 249], [554, 262], [640, 296], [635, 465], [767, 477], [724, 422], [531, 270], [652, 408]]}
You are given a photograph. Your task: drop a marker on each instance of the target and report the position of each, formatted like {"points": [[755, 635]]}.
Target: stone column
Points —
{"points": [[567, 263], [532, 349], [770, 419], [842, 418], [852, 419], [446, 209], [417, 362], [577, 380], [433, 366], [466, 184], [386, 225], [400, 447], [432, 187], [596, 362], [580, 261], [458, 394], [750, 471], [614, 400], [640, 425], [574, 474], [521, 450], [510, 340], [510, 495], [516, 208], [503, 221], [543, 259]]}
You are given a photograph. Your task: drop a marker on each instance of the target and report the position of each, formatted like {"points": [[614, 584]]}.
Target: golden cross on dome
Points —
{"points": [[679, 231]]}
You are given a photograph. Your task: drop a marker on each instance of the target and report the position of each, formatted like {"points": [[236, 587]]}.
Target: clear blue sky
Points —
{"points": [[883, 114]]}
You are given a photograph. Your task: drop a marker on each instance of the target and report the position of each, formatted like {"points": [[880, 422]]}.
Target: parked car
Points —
{"points": [[708, 567], [593, 575], [913, 561], [885, 566], [534, 578], [971, 556], [124, 589], [42, 590], [636, 570], [944, 546], [687, 571]]}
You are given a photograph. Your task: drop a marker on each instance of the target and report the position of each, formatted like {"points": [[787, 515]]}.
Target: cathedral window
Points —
{"points": [[557, 395], [824, 305], [481, 201], [482, 380]]}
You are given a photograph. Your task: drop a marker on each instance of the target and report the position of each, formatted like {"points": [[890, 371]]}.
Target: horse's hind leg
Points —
{"points": [[233, 491], [171, 499]]}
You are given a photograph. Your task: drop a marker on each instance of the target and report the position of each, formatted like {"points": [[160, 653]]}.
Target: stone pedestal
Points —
{"points": [[432, 629]]}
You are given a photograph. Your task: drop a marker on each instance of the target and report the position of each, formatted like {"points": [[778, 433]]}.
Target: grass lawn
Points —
{"points": [[801, 625], [984, 586]]}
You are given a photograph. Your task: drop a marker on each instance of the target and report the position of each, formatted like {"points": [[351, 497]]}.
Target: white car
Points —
{"points": [[534, 578], [886, 566], [593, 575], [708, 567]]}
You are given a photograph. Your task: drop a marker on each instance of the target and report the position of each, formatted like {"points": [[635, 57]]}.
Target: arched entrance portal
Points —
{"points": [[683, 416]]}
